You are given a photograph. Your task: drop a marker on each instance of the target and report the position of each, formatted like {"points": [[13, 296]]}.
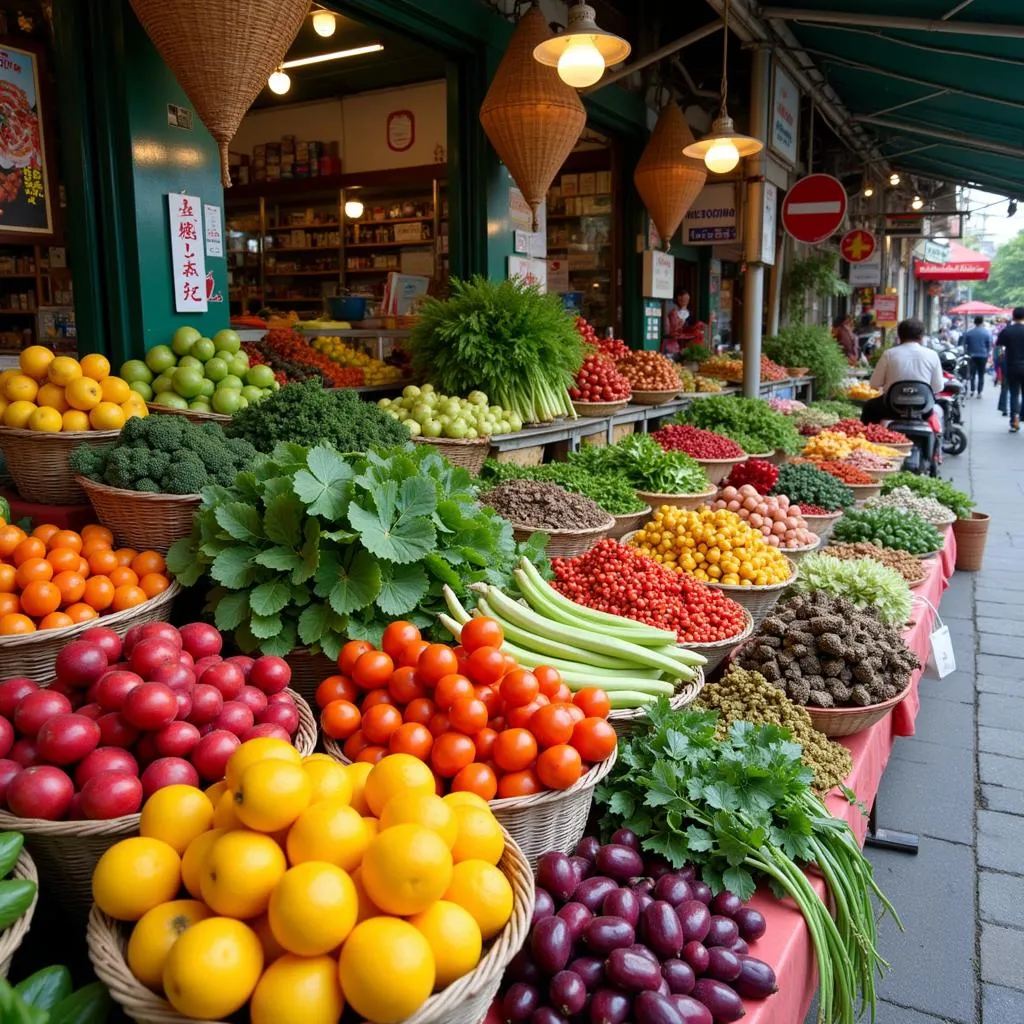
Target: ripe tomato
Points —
{"points": [[410, 656], [514, 750], [404, 686], [560, 766], [484, 742], [396, 636], [524, 783], [451, 688], [451, 753], [595, 703], [491, 698], [351, 653], [372, 754], [519, 687], [439, 723], [375, 697], [420, 710], [486, 665], [510, 662], [380, 722], [519, 718], [482, 632], [336, 688], [411, 738], [594, 738], [468, 715], [354, 744], [578, 714], [548, 677], [551, 725], [372, 670], [476, 778], [436, 662], [340, 719], [562, 695]]}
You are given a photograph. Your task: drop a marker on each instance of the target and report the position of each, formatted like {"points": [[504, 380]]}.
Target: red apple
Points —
{"points": [[111, 795], [25, 753], [284, 697], [114, 687], [65, 739], [255, 700], [145, 749], [202, 664], [176, 739], [244, 662], [80, 664], [40, 792], [186, 659], [228, 678], [160, 630], [105, 759], [270, 674], [92, 711], [36, 708], [206, 704], [6, 737], [206, 729], [12, 690], [269, 730], [235, 717], [8, 769], [284, 715], [150, 652], [131, 638], [169, 771], [115, 731], [201, 640], [106, 639], [174, 674], [75, 812], [210, 755], [184, 699], [150, 706]]}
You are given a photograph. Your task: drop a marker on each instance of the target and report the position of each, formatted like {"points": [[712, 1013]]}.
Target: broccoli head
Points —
{"points": [[186, 475], [90, 460]]}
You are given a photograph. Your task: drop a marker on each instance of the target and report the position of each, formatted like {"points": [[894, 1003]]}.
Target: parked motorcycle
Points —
{"points": [[912, 403], [950, 400]]}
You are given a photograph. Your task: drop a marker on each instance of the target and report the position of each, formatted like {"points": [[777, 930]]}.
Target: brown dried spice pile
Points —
{"points": [[912, 569], [544, 506]]}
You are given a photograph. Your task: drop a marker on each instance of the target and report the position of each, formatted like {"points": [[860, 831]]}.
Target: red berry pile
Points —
{"points": [[614, 347], [701, 444], [649, 371], [616, 579], [761, 475], [847, 473], [870, 431], [599, 381], [813, 510]]}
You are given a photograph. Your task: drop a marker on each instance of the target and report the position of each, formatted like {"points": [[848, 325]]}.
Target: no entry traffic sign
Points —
{"points": [[814, 208], [857, 245]]}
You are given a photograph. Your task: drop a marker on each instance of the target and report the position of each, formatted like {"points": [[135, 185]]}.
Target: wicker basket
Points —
{"points": [[38, 463], [139, 519], [628, 523], [566, 543], [653, 397], [881, 474], [836, 722], [861, 492], [33, 654], [796, 554], [470, 452], [195, 415], [465, 1001], [718, 469], [822, 525], [599, 408], [624, 721], [764, 457], [14, 934], [717, 652], [798, 371], [903, 447], [309, 670], [759, 601], [656, 500]]}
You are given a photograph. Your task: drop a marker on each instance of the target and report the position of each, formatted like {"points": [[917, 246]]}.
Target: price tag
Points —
{"points": [[942, 661]]}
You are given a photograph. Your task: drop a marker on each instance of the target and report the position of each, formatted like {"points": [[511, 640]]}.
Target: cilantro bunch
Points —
{"points": [[742, 810], [645, 465], [750, 422], [313, 548]]}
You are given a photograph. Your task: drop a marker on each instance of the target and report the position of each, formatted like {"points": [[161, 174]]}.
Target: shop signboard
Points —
{"points": [[214, 229], [785, 116], [867, 273], [529, 271], [905, 225], [769, 222], [188, 257], [887, 310], [714, 216], [659, 274], [26, 203]]}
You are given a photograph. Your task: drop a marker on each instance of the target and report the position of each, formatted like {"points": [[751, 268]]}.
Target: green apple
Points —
{"points": [[230, 383], [226, 401], [183, 339], [188, 382], [203, 350], [259, 376], [251, 394], [227, 341], [190, 363], [432, 428], [208, 388], [276, 385], [171, 400], [216, 368], [140, 387], [160, 358], [162, 384], [136, 369], [238, 364], [199, 405], [243, 402]]}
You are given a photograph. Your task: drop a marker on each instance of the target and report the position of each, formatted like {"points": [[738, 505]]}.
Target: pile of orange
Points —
{"points": [[51, 393], [52, 578]]}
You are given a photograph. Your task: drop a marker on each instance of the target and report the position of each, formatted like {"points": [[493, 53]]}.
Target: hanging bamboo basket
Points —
{"points": [[531, 116], [222, 52], [667, 181]]}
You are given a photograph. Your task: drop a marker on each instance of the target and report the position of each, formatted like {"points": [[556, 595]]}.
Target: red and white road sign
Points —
{"points": [[857, 245], [814, 208]]}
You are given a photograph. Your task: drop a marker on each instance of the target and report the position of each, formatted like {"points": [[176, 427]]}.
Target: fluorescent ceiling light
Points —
{"points": [[320, 58]]}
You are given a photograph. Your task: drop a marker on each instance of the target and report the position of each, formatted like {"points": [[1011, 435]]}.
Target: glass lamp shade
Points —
{"points": [[279, 82], [324, 23], [722, 148], [583, 50]]}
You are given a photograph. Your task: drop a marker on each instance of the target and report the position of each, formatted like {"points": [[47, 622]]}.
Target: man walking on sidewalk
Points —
{"points": [[977, 344], [1011, 341]]}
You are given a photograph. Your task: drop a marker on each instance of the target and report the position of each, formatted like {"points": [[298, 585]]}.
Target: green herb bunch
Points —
{"points": [[742, 810], [644, 465], [750, 422], [957, 502], [695, 354], [312, 548], [502, 337], [865, 582], [610, 490], [306, 414], [805, 484], [888, 528], [811, 346]]}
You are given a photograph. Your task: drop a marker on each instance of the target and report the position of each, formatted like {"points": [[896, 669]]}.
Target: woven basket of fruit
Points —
{"points": [[24, 870], [38, 462], [139, 519]]}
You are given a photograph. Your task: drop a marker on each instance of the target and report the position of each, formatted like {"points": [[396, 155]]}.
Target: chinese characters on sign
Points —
{"points": [[530, 271], [188, 259]]}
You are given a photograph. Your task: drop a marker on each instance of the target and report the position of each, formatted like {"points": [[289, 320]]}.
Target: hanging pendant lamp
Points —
{"points": [[222, 52], [583, 50], [531, 116], [722, 148], [667, 181]]}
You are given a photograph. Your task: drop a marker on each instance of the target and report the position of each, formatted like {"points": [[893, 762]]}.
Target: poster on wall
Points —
{"points": [[769, 225], [785, 116], [714, 216], [887, 310], [188, 256], [529, 271], [26, 203], [659, 275], [401, 130]]}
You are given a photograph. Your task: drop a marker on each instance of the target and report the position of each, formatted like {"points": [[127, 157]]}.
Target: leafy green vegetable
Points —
{"points": [[610, 490], [957, 502], [502, 337], [312, 548], [645, 465], [46, 998], [805, 484], [867, 583], [743, 810], [750, 422], [888, 528], [844, 410], [5, 510], [811, 346]]}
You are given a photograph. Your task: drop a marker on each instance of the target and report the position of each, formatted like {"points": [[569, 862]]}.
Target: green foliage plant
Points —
{"points": [[811, 346]]}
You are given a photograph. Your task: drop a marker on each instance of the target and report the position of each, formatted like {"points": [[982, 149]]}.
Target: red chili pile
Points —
{"points": [[289, 345], [649, 371], [599, 381], [870, 431], [614, 347], [847, 473], [761, 475], [614, 578], [701, 444], [813, 510]]}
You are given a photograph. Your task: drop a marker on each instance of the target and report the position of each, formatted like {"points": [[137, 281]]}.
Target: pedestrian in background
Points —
{"points": [[842, 331], [977, 343], [1011, 341]]}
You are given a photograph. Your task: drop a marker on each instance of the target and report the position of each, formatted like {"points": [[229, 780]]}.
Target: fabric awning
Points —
{"points": [[963, 264]]}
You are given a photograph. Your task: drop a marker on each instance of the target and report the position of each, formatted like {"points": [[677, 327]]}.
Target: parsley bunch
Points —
{"points": [[750, 422], [742, 810]]}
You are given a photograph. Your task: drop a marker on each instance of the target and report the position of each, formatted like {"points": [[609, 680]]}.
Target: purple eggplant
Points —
{"points": [[622, 903], [592, 891], [576, 917], [619, 862], [673, 889], [723, 964], [590, 969], [725, 1005], [555, 873], [631, 971], [756, 979], [654, 1008], [581, 868], [751, 923], [568, 993], [609, 1006], [695, 919], [587, 848], [726, 904], [603, 934], [551, 944], [691, 1011], [543, 905], [679, 975], [702, 892], [722, 931], [696, 955], [546, 1015], [519, 1003], [662, 929], [626, 837], [522, 968]]}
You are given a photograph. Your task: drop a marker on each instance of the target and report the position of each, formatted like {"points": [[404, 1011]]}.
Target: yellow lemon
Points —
{"points": [[74, 420], [63, 370], [240, 872], [20, 388], [194, 860], [154, 934], [115, 390], [367, 908], [107, 416], [428, 810], [34, 361], [53, 397], [3, 406], [484, 891], [17, 414], [134, 876], [398, 773], [479, 836], [313, 908], [83, 393], [358, 773], [406, 868], [298, 990], [454, 939], [272, 949], [177, 815], [132, 408], [215, 792], [225, 816], [330, 780], [272, 794], [95, 366], [265, 748], [329, 831], [463, 798], [48, 421]]}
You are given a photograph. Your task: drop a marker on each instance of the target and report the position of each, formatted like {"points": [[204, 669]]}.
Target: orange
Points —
{"points": [[56, 620], [157, 930], [10, 537], [17, 414], [479, 836], [272, 949], [34, 360], [93, 531], [125, 556], [298, 990], [484, 891], [313, 908], [122, 576], [358, 773], [33, 569], [81, 612], [272, 794], [13, 624], [329, 778], [63, 370], [253, 752], [65, 539], [7, 581], [30, 547], [9, 603], [213, 969], [75, 421], [83, 394], [396, 774], [20, 388], [195, 858], [64, 560], [132, 408], [329, 831], [99, 592], [45, 531], [82, 568], [95, 366], [426, 809], [128, 596], [367, 908], [107, 416], [52, 397], [71, 586], [40, 598], [406, 868], [115, 390], [102, 561], [148, 561], [386, 970], [454, 939], [153, 583], [46, 421], [134, 876], [177, 815], [240, 871]]}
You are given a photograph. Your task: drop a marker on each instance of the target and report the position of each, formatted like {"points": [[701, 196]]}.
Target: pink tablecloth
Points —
{"points": [[787, 943]]}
